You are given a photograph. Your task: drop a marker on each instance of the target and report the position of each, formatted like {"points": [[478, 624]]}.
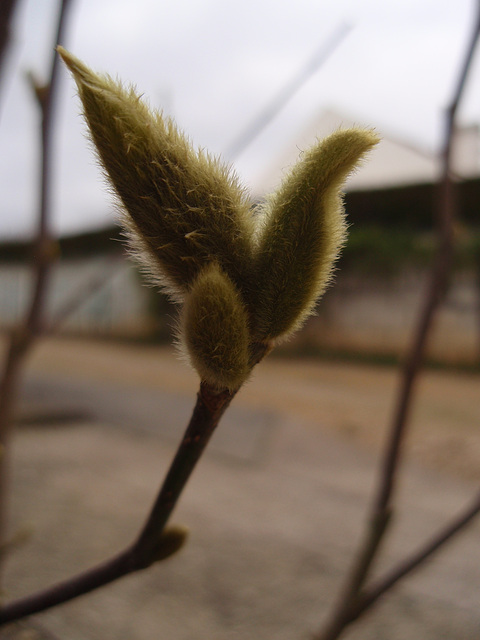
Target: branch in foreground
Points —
{"points": [[363, 600], [154, 542], [446, 216], [371, 594], [344, 613]]}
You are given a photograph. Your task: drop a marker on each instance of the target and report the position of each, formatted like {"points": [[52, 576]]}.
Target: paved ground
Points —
{"points": [[275, 508]]}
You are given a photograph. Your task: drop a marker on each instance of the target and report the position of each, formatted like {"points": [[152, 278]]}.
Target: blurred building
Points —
{"points": [[93, 287]]}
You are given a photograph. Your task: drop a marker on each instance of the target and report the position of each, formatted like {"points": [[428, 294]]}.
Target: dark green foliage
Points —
{"points": [[411, 207], [373, 250], [386, 251]]}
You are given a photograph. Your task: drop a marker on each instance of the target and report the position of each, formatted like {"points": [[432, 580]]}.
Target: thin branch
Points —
{"points": [[364, 600], [347, 608], [45, 250], [263, 119], [446, 215], [22, 339], [147, 549], [7, 12], [371, 594]]}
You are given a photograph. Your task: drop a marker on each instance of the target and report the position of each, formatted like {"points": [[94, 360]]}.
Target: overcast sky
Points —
{"points": [[214, 65]]}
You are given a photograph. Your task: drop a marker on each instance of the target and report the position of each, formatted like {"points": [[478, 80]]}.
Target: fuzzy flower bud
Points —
{"points": [[182, 208], [304, 229], [214, 329], [246, 280]]}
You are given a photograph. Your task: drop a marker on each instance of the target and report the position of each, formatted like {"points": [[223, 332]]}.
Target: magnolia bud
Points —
{"points": [[214, 330], [304, 229], [182, 209]]}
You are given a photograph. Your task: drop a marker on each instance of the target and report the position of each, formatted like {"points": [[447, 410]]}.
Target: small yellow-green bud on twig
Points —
{"points": [[182, 208], [173, 538], [214, 328], [304, 229]]}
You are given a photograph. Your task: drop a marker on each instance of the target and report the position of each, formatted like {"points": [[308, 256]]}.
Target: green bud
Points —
{"points": [[182, 209], [214, 330], [245, 280], [172, 539], [303, 230]]}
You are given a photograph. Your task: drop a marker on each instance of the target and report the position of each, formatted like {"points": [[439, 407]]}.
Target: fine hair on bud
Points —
{"points": [[303, 230], [246, 280], [214, 330], [182, 208]]}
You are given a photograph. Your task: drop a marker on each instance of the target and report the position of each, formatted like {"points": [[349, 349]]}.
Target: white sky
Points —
{"points": [[214, 64]]}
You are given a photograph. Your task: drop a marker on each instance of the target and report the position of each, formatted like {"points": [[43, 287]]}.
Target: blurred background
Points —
{"points": [[255, 83]]}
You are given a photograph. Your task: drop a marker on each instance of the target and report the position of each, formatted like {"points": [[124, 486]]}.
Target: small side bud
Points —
{"points": [[182, 208], [214, 330], [172, 540], [304, 229]]}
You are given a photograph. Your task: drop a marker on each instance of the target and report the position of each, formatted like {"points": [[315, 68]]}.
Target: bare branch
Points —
{"points": [[348, 608], [446, 215], [147, 549], [44, 253], [407, 566], [263, 119], [7, 11]]}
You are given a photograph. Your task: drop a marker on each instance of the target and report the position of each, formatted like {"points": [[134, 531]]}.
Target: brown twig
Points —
{"points": [[150, 544], [146, 550], [23, 338], [364, 599], [446, 215], [7, 11], [348, 609], [266, 115], [371, 594]]}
